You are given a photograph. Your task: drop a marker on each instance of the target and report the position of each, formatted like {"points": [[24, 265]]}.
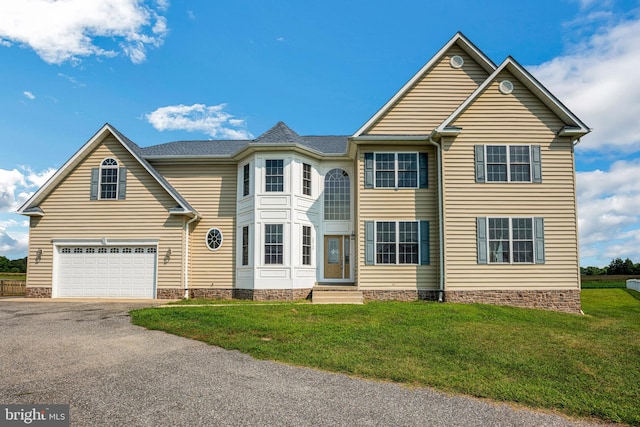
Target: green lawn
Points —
{"points": [[585, 366], [605, 281], [13, 276]]}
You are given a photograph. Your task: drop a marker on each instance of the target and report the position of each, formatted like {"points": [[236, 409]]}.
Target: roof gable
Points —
{"points": [[573, 125], [458, 41], [29, 207]]}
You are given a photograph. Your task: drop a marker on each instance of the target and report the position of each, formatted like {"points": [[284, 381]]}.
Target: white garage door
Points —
{"points": [[111, 271]]}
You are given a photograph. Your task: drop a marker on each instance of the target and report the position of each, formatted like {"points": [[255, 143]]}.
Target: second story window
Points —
{"points": [[109, 179], [306, 179], [395, 170], [508, 163], [274, 176], [246, 179]]}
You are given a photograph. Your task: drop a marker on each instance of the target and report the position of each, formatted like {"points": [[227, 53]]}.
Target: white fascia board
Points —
{"points": [[524, 77], [367, 138], [163, 183], [80, 155], [458, 39], [545, 96], [62, 171]]}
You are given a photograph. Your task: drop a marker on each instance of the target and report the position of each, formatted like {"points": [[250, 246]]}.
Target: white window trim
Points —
{"points": [[117, 169], [249, 245], [396, 170], [397, 243], [264, 245], [284, 175], [511, 261], [242, 169], [311, 246], [508, 146], [206, 239]]}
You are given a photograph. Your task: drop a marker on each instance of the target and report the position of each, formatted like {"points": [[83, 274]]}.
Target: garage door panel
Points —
{"points": [[113, 272]]}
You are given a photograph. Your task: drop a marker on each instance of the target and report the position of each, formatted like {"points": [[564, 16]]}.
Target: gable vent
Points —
{"points": [[456, 61], [506, 87]]}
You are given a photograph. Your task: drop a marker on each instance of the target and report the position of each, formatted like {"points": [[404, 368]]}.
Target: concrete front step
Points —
{"points": [[336, 296]]}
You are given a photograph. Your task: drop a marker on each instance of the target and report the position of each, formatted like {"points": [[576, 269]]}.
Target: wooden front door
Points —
{"points": [[336, 257]]}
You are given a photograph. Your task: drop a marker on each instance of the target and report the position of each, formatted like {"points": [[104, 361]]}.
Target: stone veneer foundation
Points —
{"points": [[37, 292], [567, 301], [250, 294], [400, 295]]}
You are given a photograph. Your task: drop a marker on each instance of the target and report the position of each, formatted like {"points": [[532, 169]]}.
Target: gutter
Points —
{"points": [[440, 214], [186, 255]]}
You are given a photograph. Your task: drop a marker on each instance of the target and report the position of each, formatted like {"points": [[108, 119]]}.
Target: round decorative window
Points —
{"points": [[456, 61], [214, 239], [506, 87]]}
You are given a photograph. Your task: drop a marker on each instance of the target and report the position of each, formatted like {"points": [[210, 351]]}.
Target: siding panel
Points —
{"points": [[432, 98], [69, 213], [398, 205], [519, 118], [211, 189]]}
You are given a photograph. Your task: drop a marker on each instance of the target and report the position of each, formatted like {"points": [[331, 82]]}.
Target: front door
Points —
{"points": [[336, 257]]}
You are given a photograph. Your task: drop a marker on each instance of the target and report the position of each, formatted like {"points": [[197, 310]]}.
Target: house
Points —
{"points": [[460, 188]]}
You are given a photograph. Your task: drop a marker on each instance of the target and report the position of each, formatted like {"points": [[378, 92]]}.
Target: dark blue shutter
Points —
{"points": [[479, 157], [368, 170], [422, 165], [538, 232], [481, 237], [425, 258], [122, 183], [536, 164], [369, 249], [95, 174]]}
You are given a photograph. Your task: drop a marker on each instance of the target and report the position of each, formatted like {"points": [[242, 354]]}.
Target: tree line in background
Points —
{"points": [[617, 266], [13, 266]]}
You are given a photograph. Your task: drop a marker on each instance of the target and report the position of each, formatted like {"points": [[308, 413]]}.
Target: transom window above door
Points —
{"points": [[337, 196]]}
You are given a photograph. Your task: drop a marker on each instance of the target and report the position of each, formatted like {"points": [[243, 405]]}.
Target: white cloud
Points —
{"points": [[29, 94], [71, 80], [18, 184], [61, 31], [598, 81], [609, 213], [210, 120]]}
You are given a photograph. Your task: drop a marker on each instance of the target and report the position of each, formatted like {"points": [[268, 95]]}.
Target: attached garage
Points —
{"points": [[105, 271]]}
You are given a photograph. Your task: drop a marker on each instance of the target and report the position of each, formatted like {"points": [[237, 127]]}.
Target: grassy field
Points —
{"points": [[13, 276], [605, 282], [586, 366]]}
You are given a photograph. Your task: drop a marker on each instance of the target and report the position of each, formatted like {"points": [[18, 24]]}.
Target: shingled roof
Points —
{"points": [[277, 135]]}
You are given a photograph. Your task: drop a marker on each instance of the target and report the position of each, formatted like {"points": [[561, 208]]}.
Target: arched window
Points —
{"points": [[109, 179], [337, 196]]}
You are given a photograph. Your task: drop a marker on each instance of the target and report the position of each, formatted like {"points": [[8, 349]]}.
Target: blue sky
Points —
{"points": [[162, 71]]}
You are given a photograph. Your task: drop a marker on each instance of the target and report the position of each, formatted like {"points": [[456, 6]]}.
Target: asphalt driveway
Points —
{"points": [[88, 355]]}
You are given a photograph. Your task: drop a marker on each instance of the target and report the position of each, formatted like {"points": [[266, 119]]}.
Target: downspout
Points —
{"points": [[440, 215], [186, 255]]}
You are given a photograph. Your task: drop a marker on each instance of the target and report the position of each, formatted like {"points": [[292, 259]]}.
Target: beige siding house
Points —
{"points": [[460, 188]]}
